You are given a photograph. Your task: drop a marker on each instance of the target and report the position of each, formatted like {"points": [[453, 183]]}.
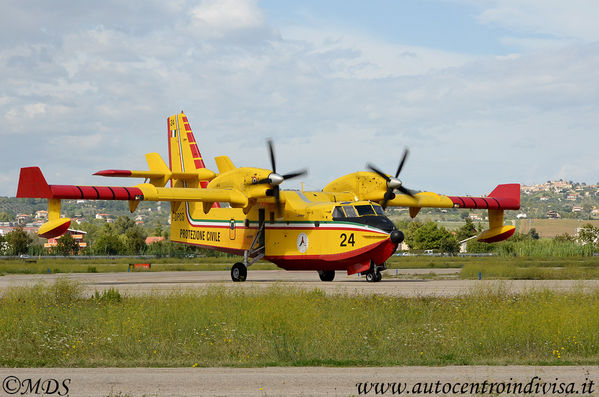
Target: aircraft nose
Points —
{"points": [[396, 236]]}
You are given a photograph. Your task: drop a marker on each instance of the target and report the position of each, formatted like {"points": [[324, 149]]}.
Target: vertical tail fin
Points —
{"points": [[184, 154]]}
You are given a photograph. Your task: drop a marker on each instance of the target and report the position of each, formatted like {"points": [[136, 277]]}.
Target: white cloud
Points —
{"points": [[228, 14], [564, 19], [218, 17], [357, 55]]}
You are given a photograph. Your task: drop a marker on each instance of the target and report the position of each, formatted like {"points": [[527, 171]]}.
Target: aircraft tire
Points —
{"points": [[239, 272], [326, 275], [374, 276]]}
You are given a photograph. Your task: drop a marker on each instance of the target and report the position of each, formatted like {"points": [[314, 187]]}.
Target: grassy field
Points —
{"points": [[56, 326], [510, 271], [553, 227]]}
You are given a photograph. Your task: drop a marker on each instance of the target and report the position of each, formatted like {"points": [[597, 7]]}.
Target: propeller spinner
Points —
{"points": [[393, 183], [275, 179]]}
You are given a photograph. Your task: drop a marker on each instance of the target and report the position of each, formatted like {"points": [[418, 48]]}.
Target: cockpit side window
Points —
{"points": [[365, 210], [338, 212], [350, 211], [378, 209]]}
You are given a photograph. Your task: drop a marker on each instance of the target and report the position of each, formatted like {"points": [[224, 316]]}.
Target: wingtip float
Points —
{"points": [[243, 210]]}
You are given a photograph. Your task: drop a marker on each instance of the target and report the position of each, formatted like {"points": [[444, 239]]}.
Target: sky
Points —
{"points": [[482, 92]]}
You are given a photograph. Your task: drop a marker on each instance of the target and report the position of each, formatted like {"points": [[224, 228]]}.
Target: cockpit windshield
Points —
{"points": [[364, 210], [355, 211], [350, 211]]}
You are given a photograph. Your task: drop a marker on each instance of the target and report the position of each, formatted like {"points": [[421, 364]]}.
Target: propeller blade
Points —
{"points": [[271, 151], [295, 174], [263, 181], [405, 191], [379, 172], [403, 160]]}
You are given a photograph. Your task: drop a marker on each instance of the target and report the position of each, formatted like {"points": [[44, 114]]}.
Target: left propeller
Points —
{"points": [[275, 179], [393, 183]]}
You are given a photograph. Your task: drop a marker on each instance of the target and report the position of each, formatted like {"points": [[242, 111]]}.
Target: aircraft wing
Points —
{"points": [[503, 197], [32, 184], [370, 186]]}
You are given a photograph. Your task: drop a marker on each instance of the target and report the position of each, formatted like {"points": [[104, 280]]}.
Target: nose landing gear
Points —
{"points": [[373, 275]]}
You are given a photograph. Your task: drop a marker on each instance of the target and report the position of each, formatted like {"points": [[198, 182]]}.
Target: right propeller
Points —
{"points": [[392, 182]]}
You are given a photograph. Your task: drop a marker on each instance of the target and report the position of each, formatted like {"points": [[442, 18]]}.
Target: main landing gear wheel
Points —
{"points": [[374, 277], [326, 275], [239, 272]]}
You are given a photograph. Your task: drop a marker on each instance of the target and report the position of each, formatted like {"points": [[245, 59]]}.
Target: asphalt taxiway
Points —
{"points": [[135, 283]]}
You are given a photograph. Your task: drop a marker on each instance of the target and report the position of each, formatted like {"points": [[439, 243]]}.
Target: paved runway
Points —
{"points": [[305, 381], [145, 282]]}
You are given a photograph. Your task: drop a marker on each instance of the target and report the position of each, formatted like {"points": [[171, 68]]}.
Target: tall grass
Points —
{"points": [[543, 248], [58, 326], [514, 272], [413, 262]]}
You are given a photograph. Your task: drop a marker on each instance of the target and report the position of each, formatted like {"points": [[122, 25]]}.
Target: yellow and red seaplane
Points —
{"points": [[243, 211]]}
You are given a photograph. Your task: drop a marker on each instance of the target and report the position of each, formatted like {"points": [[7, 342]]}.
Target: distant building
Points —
{"points": [[553, 214], [23, 218], [521, 216], [153, 239], [78, 235], [41, 214], [464, 244], [475, 217], [577, 208]]}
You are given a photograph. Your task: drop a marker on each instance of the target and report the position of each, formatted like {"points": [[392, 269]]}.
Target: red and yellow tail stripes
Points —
{"points": [[184, 154]]}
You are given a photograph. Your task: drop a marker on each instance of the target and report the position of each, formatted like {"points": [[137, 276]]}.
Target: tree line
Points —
{"points": [[122, 237], [125, 237]]}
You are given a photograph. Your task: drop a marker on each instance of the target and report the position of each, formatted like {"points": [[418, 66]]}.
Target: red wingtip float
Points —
{"points": [[114, 173], [243, 210]]}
